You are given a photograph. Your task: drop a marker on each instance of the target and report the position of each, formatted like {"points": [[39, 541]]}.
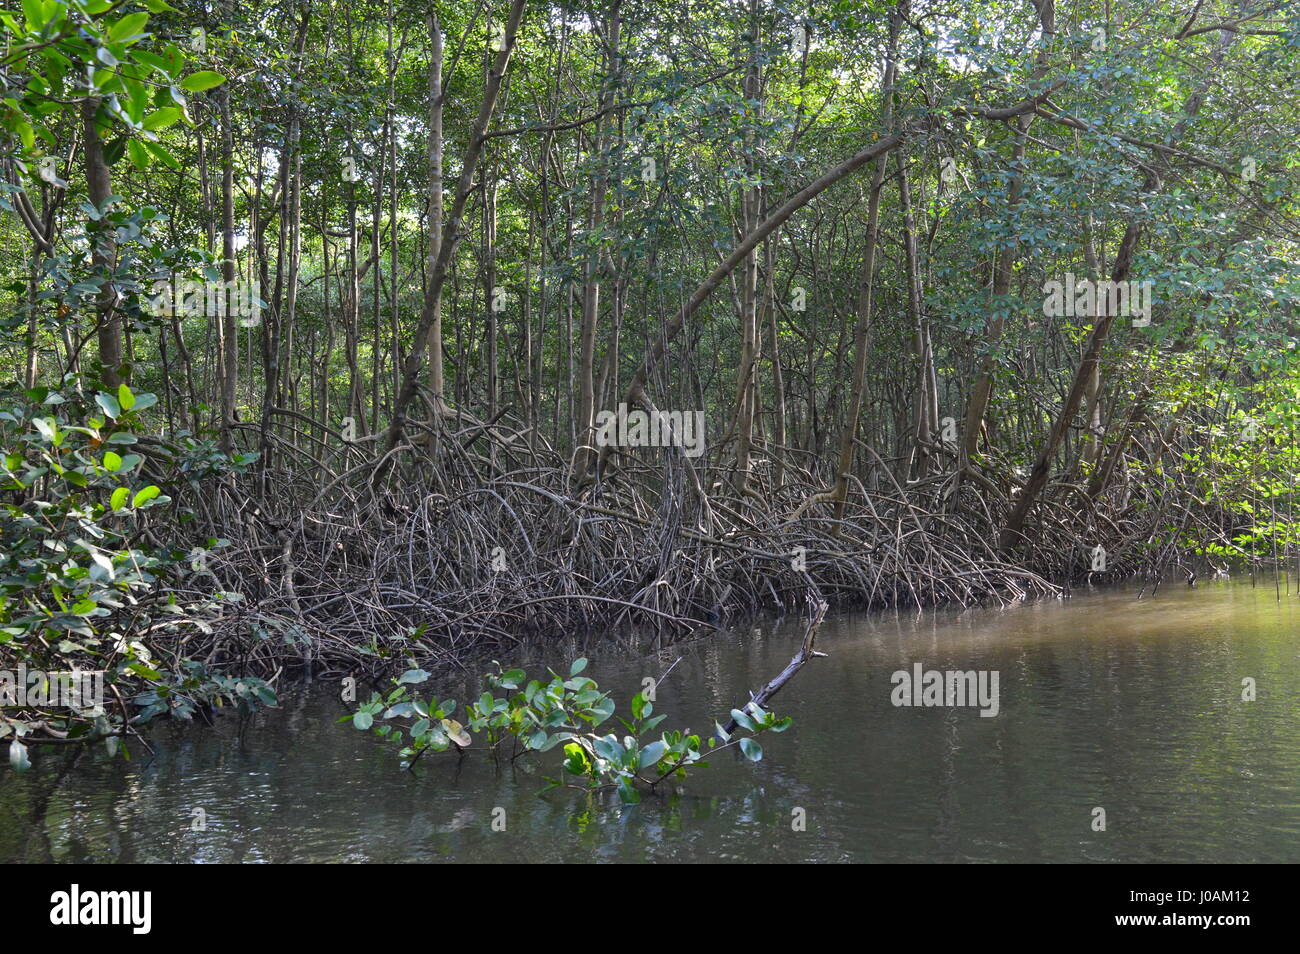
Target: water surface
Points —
{"points": [[1106, 701]]}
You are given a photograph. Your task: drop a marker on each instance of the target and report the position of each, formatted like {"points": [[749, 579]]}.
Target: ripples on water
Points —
{"points": [[1106, 701]]}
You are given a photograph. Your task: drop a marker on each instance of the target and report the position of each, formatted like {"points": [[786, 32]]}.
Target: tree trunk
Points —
{"points": [[452, 229], [1003, 269], [99, 186], [593, 263], [226, 325], [866, 288]]}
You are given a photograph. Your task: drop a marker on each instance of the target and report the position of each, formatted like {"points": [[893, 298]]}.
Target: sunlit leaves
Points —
{"points": [[116, 58], [161, 118], [145, 495], [85, 583], [129, 29], [202, 80], [456, 733]]}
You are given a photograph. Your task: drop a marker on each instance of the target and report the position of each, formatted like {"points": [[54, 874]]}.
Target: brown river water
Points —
{"points": [[1104, 701]]}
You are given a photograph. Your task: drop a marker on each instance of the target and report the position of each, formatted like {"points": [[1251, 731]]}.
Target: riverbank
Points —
{"points": [[338, 576]]}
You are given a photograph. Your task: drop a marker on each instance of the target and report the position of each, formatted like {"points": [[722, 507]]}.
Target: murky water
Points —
{"points": [[1105, 701]]}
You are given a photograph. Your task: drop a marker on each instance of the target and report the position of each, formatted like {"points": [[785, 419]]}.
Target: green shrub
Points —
{"points": [[536, 716], [79, 592]]}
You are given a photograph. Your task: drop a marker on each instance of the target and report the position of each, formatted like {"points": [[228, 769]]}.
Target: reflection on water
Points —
{"points": [[1106, 701]]}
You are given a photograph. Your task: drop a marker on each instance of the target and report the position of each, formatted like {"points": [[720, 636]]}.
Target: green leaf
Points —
{"points": [[104, 563], [118, 500], [125, 399], [575, 759], [578, 666], [139, 155], [742, 720], [130, 26], [363, 720], [652, 753], [113, 150], [162, 118], [109, 404], [413, 676], [753, 751], [203, 79], [144, 496], [112, 462], [48, 428], [159, 152], [608, 747], [456, 732], [34, 15]]}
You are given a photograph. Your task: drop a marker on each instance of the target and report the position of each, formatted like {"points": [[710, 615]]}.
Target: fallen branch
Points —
{"points": [[805, 653]]}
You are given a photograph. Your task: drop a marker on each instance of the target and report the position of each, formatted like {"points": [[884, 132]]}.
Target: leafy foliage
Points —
{"points": [[537, 716], [78, 591], [60, 50]]}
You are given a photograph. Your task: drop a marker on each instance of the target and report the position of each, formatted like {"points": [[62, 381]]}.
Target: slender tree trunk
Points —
{"points": [[593, 261], [452, 228], [866, 287], [778, 378], [226, 324], [925, 421], [746, 383], [104, 257], [433, 304], [1003, 269]]}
